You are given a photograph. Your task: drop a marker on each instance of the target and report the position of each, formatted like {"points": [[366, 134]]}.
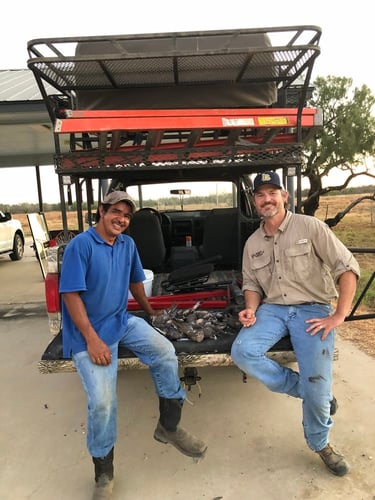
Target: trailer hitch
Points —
{"points": [[191, 378]]}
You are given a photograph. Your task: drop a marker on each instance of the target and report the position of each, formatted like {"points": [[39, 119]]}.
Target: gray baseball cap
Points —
{"points": [[117, 196]]}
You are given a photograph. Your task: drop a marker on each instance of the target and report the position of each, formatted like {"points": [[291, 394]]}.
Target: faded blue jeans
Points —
{"points": [[315, 362], [99, 382]]}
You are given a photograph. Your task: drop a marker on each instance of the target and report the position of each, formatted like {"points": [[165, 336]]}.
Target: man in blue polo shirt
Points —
{"points": [[99, 266]]}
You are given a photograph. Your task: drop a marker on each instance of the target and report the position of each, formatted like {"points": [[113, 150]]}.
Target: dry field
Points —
{"points": [[356, 230], [360, 221]]}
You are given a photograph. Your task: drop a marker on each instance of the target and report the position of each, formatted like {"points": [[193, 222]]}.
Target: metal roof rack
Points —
{"points": [[279, 55], [178, 100]]}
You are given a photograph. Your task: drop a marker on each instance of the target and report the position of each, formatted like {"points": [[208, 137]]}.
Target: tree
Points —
{"points": [[346, 140]]}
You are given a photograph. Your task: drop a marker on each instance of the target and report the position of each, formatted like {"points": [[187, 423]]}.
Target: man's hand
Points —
{"points": [[99, 352], [326, 324], [156, 312], [247, 317]]}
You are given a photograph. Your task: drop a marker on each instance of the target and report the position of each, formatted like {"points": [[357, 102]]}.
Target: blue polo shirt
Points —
{"points": [[101, 273]]}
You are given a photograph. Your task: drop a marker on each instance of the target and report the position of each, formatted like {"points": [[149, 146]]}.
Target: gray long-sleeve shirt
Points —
{"points": [[299, 264]]}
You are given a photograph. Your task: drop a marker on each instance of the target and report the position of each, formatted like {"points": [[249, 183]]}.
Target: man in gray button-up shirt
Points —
{"points": [[294, 268]]}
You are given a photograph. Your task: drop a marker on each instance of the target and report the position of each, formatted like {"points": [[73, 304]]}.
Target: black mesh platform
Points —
{"points": [[241, 67]]}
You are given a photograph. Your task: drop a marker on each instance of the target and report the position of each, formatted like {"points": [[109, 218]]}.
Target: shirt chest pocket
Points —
{"points": [[298, 258], [261, 268]]}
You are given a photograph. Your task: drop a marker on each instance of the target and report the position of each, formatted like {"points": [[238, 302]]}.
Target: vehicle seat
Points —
{"points": [[220, 237], [145, 229]]}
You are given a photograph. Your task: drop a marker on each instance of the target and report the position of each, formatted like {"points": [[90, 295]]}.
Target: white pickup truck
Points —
{"points": [[12, 238]]}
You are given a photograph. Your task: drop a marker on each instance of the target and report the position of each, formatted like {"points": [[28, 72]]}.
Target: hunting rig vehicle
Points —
{"points": [[139, 112]]}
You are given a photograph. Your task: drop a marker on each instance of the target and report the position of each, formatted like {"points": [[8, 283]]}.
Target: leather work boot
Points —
{"points": [[168, 430], [103, 477], [334, 406], [335, 462]]}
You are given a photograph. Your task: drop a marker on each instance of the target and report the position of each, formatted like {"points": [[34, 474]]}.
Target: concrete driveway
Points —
{"points": [[22, 283], [255, 441]]}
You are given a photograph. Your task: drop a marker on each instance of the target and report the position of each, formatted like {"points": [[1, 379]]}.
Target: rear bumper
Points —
{"points": [[210, 352]]}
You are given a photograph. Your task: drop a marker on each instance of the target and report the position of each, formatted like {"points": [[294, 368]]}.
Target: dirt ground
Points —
{"points": [[361, 333]]}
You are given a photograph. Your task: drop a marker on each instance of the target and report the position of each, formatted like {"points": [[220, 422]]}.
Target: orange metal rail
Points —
{"points": [[185, 119]]}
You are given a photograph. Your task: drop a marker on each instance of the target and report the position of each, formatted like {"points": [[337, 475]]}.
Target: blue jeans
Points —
{"points": [[315, 362], [99, 382]]}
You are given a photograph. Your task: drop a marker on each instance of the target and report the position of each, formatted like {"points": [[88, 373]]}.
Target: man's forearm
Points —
{"points": [[77, 312], [252, 299], [347, 288]]}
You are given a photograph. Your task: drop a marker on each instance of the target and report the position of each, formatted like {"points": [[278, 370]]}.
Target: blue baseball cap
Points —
{"points": [[267, 178]]}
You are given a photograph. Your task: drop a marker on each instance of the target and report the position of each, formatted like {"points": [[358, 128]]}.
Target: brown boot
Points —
{"points": [[168, 430], [333, 406], [334, 461], [103, 477]]}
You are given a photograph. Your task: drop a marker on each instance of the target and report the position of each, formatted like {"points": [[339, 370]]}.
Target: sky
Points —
{"points": [[346, 43]]}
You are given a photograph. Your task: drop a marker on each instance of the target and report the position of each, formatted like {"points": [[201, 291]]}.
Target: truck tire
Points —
{"points": [[18, 248]]}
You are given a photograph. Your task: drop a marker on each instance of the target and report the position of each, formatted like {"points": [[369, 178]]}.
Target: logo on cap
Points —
{"points": [[266, 177]]}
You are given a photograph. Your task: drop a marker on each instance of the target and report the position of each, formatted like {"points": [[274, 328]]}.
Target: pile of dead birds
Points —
{"points": [[195, 324]]}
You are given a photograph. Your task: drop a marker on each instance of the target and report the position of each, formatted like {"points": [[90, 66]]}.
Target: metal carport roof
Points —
{"points": [[26, 137]]}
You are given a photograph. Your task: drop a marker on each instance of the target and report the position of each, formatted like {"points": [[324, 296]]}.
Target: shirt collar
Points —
{"points": [[96, 236], [286, 221]]}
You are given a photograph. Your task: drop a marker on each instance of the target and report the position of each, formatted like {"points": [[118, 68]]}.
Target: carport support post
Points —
{"points": [[290, 175], [63, 208], [39, 188], [290, 189], [299, 190]]}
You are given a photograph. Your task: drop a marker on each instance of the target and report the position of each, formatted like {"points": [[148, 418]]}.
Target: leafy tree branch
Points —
{"points": [[346, 140]]}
